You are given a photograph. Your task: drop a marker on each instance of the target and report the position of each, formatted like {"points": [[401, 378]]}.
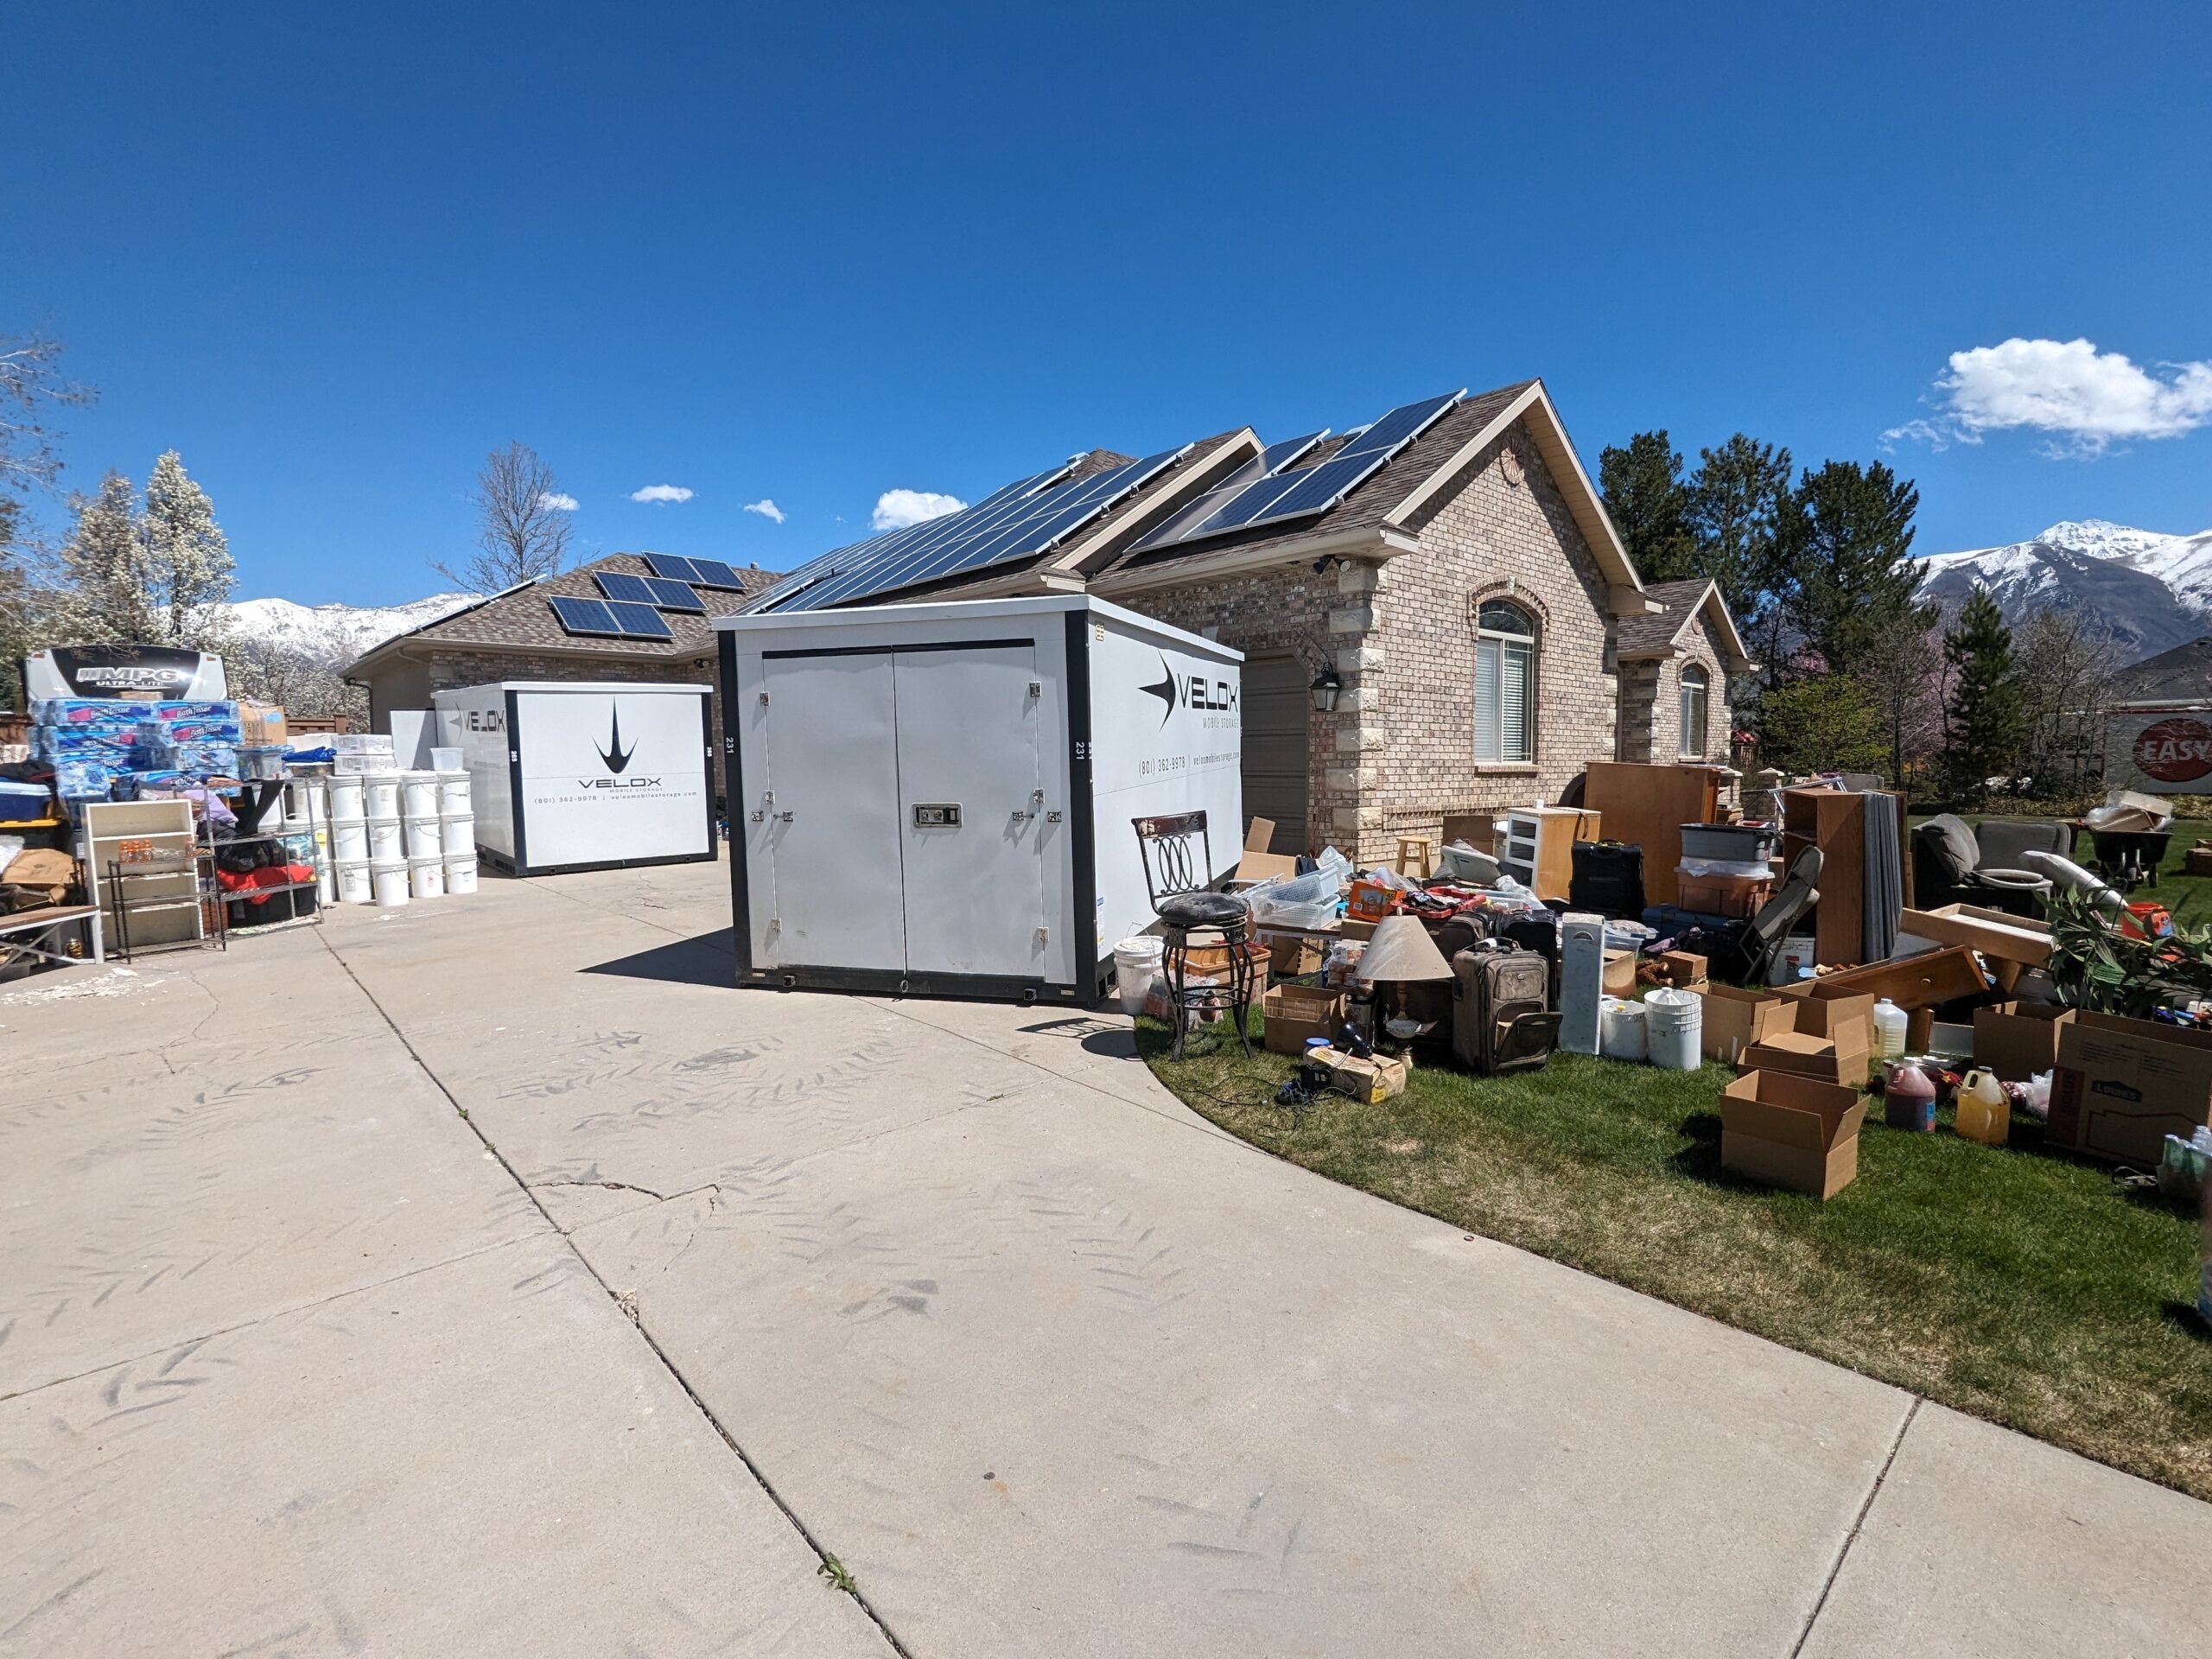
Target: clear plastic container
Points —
{"points": [[1890, 1024]]}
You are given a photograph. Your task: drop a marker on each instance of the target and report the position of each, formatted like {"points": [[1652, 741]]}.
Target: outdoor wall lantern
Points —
{"points": [[1327, 686]]}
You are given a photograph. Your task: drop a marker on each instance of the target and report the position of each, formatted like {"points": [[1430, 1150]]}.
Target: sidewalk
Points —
{"points": [[1049, 1364]]}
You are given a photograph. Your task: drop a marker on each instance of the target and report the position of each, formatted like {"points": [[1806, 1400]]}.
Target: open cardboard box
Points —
{"points": [[1367, 1081], [2017, 1039], [1619, 977], [2123, 1085], [1792, 1131], [1733, 1020], [1295, 1013], [1258, 864], [1807, 1054]]}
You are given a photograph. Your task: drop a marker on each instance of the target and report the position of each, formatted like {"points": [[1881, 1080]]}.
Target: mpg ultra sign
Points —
{"points": [[2161, 753]]}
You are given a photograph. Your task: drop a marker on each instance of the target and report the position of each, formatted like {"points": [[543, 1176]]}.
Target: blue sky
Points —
{"points": [[811, 254]]}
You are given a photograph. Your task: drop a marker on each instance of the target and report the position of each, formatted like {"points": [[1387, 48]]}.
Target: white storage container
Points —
{"points": [[453, 795], [347, 800], [422, 838], [353, 884], [457, 835], [349, 840], [380, 795], [418, 794], [390, 881], [386, 842], [460, 875], [940, 797], [426, 877]]}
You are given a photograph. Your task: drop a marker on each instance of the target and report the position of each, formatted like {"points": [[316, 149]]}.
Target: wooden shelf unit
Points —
{"points": [[1646, 806], [102, 827], [1535, 845]]}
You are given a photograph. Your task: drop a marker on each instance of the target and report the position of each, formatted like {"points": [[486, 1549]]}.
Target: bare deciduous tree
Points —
{"points": [[31, 382], [522, 523], [1901, 668], [2067, 667]]}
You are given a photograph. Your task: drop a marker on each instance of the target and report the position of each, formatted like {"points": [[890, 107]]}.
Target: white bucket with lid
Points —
{"points": [[353, 883], [426, 877], [1620, 1029], [453, 794], [384, 841], [349, 840], [380, 794], [423, 838], [305, 804], [347, 803], [457, 833], [389, 878], [418, 794], [1137, 963], [1673, 1029], [460, 874]]}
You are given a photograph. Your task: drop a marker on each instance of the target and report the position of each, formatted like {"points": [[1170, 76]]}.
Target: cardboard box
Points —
{"points": [[1368, 901], [1619, 978], [1735, 1020], [2017, 1039], [2123, 1085], [1804, 1054], [1367, 1081], [1355, 928], [261, 726], [1258, 864], [1683, 970], [1292, 955], [1792, 1131], [2198, 860], [1731, 896], [1294, 1013]]}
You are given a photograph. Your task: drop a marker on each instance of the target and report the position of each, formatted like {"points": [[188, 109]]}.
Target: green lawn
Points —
{"points": [[2024, 1287]]}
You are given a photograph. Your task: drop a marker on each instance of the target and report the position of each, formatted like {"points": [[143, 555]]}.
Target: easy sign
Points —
{"points": [[2160, 753]]}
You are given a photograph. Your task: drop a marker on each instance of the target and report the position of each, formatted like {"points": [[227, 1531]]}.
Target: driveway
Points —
{"points": [[490, 1276]]}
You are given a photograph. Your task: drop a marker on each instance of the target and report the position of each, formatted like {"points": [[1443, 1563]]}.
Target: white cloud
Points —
{"points": [[896, 509], [767, 509], [558, 501], [2087, 397], [661, 493]]}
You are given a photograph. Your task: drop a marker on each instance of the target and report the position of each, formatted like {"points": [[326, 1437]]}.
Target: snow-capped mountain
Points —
{"points": [[337, 634], [2150, 592]]}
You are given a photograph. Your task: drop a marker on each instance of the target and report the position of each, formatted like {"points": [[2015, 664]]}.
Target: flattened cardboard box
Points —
{"points": [[2123, 1085], [1792, 1131], [1735, 1020], [2017, 1039], [1367, 1081]]}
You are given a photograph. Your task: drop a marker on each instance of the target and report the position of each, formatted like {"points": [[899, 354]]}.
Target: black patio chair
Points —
{"points": [[1177, 857]]}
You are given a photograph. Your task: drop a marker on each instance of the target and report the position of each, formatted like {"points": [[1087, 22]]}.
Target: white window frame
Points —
{"points": [[1501, 658], [1692, 744]]}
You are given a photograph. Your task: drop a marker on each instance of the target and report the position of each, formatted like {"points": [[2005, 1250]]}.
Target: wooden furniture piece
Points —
{"points": [[1535, 845], [1411, 848], [166, 906], [1835, 822], [1646, 806], [2008, 942]]}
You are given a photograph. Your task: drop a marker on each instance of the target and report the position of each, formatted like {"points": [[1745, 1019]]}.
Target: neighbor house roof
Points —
{"points": [[1660, 632], [2183, 674], [520, 619]]}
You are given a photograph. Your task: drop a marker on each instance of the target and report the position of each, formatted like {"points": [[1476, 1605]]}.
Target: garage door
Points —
{"points": [[1277, 705]]}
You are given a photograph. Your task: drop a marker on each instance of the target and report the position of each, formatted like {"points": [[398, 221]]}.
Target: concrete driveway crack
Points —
{"points": [[1858, 1524]]}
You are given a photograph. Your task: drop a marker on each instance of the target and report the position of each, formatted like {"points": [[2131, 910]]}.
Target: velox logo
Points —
{"points": [[1190, 691], [616, 759], [2175, 751], [486, 720]]}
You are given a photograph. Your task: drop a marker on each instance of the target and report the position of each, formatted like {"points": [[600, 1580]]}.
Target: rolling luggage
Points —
{"points": [[1608, 878], [1501, 1020]]}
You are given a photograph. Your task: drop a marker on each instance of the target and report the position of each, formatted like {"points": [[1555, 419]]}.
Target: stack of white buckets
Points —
{"points": [[396, 836]]}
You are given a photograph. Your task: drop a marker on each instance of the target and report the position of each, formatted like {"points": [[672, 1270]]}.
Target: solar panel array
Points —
{"points": [[617, 618], [703, 573], [661, 591], [1277, 494], [1025, 518]]}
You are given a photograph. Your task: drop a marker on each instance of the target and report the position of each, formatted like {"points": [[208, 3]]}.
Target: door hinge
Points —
{"points": [[764, 697], [1043, 936], [1036, 687]]}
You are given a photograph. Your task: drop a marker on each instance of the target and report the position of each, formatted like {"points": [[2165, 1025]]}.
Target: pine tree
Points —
{"points": [[1849, 549], [107, 577], [187, 556], [1649, 505], [1738, 510], [1984, 714]]}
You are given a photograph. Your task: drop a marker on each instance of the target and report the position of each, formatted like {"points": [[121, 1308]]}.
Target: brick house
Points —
{"points": [[1485, 630], [516, 635]]}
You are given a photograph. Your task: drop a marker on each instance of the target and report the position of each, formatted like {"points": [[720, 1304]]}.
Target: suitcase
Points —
{"points": [[1608, 878], [1501, 1017]]}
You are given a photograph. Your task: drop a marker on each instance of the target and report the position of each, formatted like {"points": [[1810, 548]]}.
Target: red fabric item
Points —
{"points": [[243, 883]]}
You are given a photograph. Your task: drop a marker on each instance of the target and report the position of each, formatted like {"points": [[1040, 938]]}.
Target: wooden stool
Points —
{"points": [[1409, 847]]}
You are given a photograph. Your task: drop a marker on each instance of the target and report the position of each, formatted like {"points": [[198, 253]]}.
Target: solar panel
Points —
{"points": [[585, 616], [640, 621], [715, 573], [631, 589], [1400, 427], [1277, 457], [668, 565], [672, 595]]}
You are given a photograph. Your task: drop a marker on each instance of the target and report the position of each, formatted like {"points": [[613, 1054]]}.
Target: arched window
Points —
{"points": [[1696, 687], [1505, 683]]}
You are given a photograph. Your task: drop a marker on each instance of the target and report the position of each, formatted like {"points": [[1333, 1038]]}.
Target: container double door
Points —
{"points": [[902, 822]]}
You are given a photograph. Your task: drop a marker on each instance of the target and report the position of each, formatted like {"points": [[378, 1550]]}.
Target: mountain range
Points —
{"points": [[335, 635], [2149, 592]]}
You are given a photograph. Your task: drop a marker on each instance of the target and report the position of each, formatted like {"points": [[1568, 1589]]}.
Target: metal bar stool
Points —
{"points": [[1177, 857]]}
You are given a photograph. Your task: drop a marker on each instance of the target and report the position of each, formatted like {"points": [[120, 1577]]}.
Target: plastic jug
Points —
{"points": [[1908, 1098], [1890, 1022], [1985, 1114]]}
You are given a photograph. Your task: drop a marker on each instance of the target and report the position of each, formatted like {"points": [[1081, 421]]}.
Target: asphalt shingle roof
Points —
{"points": [[1655, 631]]}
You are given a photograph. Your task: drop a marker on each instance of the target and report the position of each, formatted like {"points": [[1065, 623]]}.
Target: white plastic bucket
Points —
{"points": [[390, 881], [1793, 961], [380, 794], [418, 794], [460, 875], [385, 842], [426, 877], [345, 800], [453, 794], [423, 838], [1673, 1029], [445, 760], [457, 833], [349, 840], [305, 803], [326, 882], [353, 884], [1136, 962], [1620, 1027]]}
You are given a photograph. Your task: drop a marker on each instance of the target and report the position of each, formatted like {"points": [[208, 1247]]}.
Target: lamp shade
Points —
{"points": [[1401, 950]]}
